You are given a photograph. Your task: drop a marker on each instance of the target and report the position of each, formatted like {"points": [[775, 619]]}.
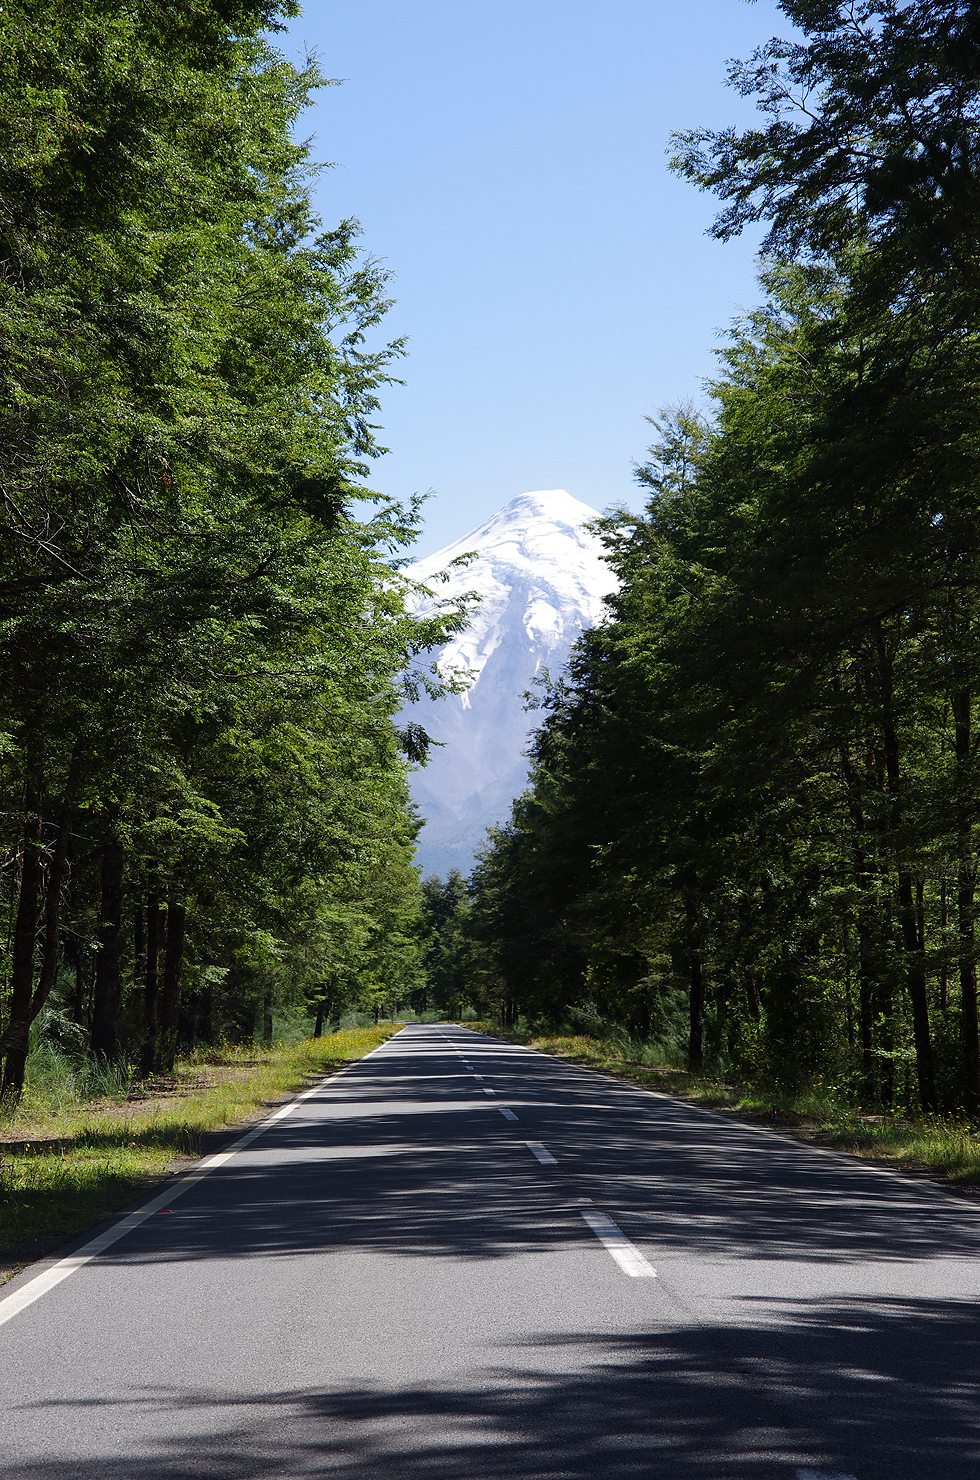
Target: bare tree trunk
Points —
{"points": [[916, 983], [24, 944], [915, 970], [965, 899], [969, 1026], [170, 1000], [139, 938], [866, 1002], [105, 1004], [866, 983], [848, 987], [943, 923], [52, 900], [695, 1046], [722, 994], [151, 987]]}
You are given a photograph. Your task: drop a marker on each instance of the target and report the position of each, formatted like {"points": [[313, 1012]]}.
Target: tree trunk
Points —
{"points": [[24, 943], [866, 1002], [969, 1026], [170, 997], [883, 1010], [151, 987], [943, 923], [722, 994], [52, 900], [915, 971], [916, 983], [105, 1006], [695, 977], [695, 1047], [965, 899], [866, 981], [848, 990], [139, 939]]}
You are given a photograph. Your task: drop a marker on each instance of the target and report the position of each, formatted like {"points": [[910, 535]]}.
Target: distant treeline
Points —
{"points": [[753, 818], [203, 806]]}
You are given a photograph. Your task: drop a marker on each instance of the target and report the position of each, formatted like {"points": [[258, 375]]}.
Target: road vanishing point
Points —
{"points": [[459, 1259]]}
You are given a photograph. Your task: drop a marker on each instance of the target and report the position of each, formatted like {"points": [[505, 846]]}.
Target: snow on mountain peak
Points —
{"points": [[534, 550], [541, 580]]}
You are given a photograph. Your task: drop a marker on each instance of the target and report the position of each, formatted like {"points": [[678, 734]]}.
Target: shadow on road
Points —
{"points": [[870, 1378], [417, 1162], [411, 1161]]}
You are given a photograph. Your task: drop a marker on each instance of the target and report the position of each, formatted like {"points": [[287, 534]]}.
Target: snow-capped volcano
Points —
{"points": [[541, 579]]}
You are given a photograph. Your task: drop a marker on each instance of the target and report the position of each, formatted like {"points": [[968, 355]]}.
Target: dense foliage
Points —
{"points": [[445, 987], [202, 648], [755, 796]]}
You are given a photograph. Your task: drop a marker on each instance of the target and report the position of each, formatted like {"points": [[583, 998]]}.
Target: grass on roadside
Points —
{"points": [[88, 1158], [945, 1146]]}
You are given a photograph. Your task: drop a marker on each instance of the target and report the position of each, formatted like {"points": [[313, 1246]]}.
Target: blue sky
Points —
{"points": [[508, 163]]}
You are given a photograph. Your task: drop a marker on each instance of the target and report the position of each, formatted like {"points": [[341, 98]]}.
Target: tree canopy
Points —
{"points": [[755, 794], [203, 641]]}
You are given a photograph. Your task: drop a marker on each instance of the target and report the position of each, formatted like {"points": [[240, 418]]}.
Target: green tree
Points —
{"points": [[201, 645]]}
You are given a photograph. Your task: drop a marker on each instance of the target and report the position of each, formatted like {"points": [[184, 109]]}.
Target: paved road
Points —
{"points": [[390, 1284]]}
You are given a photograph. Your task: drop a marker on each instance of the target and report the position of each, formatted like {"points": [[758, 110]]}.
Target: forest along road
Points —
{"points": [[461, 1260]]}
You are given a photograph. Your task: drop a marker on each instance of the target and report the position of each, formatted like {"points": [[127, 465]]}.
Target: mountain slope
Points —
{"points": [[542, 580]]}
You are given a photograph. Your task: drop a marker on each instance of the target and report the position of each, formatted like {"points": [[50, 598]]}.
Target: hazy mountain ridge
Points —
{"points": [[542, 580]]}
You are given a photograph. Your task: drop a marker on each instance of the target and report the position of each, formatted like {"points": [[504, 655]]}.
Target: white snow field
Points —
{"points": [[542, 580]]}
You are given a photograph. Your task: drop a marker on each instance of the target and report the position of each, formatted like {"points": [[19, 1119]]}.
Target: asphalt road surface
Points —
{"points": [[460, 1260]]}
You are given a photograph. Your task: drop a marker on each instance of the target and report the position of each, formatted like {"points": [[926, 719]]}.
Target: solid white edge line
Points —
{"points": [[615, 1242], [11, 1305], [542, 1153]]}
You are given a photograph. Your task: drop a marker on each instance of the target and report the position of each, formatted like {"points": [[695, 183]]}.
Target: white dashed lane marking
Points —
{"points": [[544, 1156], [615, 1242], [507, 1114]]}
